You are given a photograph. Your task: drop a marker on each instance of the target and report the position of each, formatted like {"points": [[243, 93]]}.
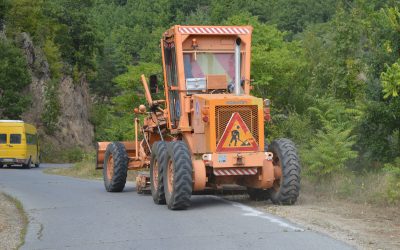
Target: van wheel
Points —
{"points": [[37, 165], [27, 166], [1, 165]]}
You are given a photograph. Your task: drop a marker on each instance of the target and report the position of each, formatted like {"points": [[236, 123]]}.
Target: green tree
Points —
{"points": [[78, 41], [277, 66], [332, 147], [14, 77], [391, 80], [115, 121]]}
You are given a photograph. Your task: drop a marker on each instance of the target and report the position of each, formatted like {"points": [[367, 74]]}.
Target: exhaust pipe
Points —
{"points": [[237, 66]]}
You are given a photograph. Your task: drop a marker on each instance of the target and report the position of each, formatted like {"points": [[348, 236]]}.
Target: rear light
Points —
{"points": [[205, 111], [267, 110], [267, 114]]}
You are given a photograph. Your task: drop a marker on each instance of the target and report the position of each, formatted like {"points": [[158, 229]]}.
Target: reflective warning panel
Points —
{"points": [[237, 136]]}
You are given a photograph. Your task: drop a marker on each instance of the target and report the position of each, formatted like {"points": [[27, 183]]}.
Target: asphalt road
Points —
{"points": [[69, 213]]}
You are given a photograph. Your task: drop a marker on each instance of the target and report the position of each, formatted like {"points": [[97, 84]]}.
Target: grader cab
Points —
{"points": [[209, 130]]}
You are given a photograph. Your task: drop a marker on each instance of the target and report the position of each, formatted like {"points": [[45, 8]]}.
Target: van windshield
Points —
{"points": [[15, 139], [3, 138]]}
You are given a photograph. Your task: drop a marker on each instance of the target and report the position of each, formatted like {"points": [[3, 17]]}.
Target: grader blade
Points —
{"points": [[101, 148]]}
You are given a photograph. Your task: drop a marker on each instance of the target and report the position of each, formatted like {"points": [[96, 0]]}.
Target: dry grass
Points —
{"points": [[85, 170], [368, 188]]}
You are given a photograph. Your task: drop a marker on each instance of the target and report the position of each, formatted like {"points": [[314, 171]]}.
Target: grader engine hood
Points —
{"points": [[227, 123]]}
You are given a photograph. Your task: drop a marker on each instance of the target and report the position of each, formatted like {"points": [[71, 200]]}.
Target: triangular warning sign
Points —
{"points": [[237, 136]]}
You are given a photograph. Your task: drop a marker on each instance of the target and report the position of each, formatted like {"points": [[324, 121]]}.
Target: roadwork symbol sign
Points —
{"points": [[237, 136]]}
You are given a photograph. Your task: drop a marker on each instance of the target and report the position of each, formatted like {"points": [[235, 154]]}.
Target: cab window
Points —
{"points": [[15, 139], [3, 138], [31, 139]]}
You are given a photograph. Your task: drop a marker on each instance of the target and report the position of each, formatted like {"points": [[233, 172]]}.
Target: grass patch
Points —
{"points": [[366, 188], [51, 153], [23, 216], [84, 169]]}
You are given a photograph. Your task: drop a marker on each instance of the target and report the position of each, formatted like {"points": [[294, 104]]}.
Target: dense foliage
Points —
{"points": [[13, 78], [330, 67]]}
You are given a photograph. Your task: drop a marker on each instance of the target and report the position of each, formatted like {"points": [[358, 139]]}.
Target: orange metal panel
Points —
{"points": [[101, 148], [229, 160], [199, 175], [165, 84]]}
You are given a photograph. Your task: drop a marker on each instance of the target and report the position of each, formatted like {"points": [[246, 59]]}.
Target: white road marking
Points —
{"points": [[253, 212], [249, 211]]}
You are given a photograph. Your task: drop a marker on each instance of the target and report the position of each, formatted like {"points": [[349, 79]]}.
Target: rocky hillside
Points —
{"points": [[71, 125]]}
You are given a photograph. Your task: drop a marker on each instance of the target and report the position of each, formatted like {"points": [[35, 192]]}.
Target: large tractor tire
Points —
{"points": [[285, 190], [115, 168], [159, 158], [178, 176]]}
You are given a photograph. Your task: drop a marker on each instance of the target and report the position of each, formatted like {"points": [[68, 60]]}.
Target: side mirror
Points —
{"points": [[153, 84]]}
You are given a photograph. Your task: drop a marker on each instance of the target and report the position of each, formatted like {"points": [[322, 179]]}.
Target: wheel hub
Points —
{"points": [[110, 167], [170, 173]]}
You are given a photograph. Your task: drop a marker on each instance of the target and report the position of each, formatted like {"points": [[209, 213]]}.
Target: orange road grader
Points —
{"points": [[209, 131]]}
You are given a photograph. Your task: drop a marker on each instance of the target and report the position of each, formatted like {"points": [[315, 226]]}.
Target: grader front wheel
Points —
{"points": [[115, 168], [178, 176], [159, 158], [286, 188]]}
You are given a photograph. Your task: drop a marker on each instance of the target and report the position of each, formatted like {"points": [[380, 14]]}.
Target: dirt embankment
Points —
{"points": [[13, 222], [360, 225]]}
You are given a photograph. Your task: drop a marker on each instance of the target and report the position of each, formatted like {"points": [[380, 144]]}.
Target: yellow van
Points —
{"points": [[18, 144]]}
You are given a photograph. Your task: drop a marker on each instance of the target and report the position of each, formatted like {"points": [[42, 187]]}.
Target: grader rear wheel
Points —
{"points": [[159, 158], [178, 176], [285, 189], [115, 168]]}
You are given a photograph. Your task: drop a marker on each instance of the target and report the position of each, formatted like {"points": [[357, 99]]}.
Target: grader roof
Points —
{"points": [[216, 30], [209, 30]]}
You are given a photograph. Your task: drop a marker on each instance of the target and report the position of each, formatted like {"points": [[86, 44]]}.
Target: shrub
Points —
{"points": [[393, 189], [52, 107], [328, 152], [14, 77], [331, 147]]}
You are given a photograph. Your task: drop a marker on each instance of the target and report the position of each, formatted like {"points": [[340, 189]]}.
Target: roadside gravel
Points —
{"points": [[13, 223]]}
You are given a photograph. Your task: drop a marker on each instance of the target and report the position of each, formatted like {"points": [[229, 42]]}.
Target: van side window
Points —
{"points": [[3, 138], [15, 139], [31, 139]]}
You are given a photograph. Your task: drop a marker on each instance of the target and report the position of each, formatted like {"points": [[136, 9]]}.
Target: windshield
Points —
{"points": [[201, 64]]}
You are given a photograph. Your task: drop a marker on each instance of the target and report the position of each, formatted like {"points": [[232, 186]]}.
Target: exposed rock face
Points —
{"points": [[73, 126], [39, 69]]}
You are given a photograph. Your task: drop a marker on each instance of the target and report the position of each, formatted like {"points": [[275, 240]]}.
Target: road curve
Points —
{"points": [[69, 213]]}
